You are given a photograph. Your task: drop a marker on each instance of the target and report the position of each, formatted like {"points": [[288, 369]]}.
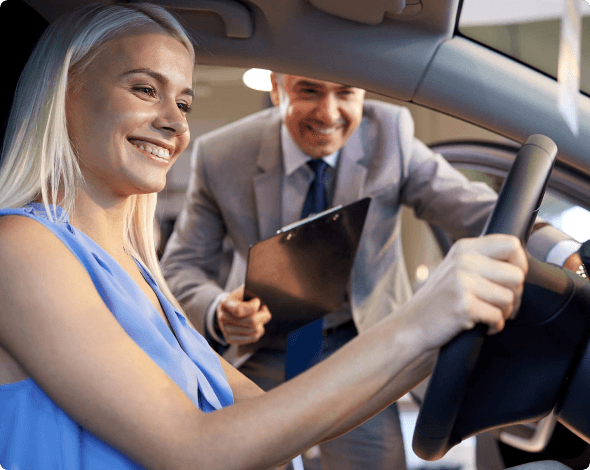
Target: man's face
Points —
{"points": [[320, 116]]}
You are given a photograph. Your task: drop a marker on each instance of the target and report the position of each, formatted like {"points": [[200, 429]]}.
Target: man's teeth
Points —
{"points": [[324, 131], [151, 148]]}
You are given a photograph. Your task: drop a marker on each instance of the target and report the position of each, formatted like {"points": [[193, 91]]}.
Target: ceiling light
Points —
{"points": [[257, 79]]}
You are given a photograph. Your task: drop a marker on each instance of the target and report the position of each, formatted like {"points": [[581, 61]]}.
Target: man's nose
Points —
{"points": [[328, 109]]}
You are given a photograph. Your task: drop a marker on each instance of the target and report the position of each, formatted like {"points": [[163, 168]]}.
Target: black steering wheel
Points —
{"points": [[515, 211]]}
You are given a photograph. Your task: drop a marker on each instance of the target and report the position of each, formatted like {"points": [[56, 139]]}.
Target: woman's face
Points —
{"points": [[127, 120]]}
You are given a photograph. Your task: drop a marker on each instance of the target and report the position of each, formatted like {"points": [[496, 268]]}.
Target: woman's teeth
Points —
{"points": [[151, 148]]}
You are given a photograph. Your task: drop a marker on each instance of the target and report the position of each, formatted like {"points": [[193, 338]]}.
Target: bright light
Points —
{"points": [[257, 79], [422, 273]]}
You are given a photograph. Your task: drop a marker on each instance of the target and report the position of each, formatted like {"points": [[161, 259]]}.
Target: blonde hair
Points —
{"points": [[38, 160]]}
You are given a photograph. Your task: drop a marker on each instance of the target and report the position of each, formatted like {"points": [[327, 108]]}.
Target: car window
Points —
{"points": [[221, 98], [526, 31]]}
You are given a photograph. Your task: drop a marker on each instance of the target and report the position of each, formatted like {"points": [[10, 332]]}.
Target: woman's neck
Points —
{"points": [[103, 221]]}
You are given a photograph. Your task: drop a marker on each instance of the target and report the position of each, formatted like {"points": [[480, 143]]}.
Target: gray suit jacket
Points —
{"points": [[236, 189]]}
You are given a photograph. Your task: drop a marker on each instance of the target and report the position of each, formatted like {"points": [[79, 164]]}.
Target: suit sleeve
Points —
{"points": [[193, 255], [436, 191], [442, 195]]}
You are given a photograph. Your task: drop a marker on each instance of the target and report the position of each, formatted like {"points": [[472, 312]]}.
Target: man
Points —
{"points": [[251, 177]]}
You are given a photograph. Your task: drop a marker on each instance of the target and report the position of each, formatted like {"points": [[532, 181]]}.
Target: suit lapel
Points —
{"points": [[351, 173], [350, 185], [267, 184]]}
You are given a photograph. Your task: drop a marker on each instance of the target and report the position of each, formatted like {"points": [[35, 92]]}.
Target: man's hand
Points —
{"points": [[242, 322]]}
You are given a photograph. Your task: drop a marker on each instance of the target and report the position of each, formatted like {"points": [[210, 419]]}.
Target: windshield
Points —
{"points": [[525, 30]]}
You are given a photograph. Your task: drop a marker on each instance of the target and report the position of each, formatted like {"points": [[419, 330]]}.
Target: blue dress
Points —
{"points": [[36, 434]]}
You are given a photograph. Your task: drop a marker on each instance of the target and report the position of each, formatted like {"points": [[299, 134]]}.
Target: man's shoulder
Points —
{"points": [[380, 110], [385, 121], [245, 128]]}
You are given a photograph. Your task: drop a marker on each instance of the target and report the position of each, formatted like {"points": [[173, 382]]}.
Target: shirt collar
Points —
{"points": [[293, 156]]}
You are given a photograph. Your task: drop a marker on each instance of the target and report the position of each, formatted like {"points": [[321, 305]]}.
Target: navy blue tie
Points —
{"points": [[304, 345]]}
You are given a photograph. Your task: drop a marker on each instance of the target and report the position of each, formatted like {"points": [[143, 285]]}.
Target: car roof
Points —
{"points": [[404, 49]]}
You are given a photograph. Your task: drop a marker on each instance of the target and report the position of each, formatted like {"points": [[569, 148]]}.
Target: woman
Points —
{"points": [[98, 366]]}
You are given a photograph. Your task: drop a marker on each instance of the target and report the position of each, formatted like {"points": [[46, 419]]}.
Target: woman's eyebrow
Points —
{"points": [[156, 76]]}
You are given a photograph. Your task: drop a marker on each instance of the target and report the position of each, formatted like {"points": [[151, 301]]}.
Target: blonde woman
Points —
{"points": [[99, 368]]}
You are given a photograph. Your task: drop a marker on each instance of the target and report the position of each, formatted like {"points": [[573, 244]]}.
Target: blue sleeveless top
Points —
{"points": [[36, 434]]}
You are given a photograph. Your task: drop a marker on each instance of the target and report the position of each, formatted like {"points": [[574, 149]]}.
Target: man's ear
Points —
{"points": [[274, 93]]}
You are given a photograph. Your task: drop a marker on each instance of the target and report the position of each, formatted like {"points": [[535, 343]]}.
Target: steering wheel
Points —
{"points": [[514, 214]]}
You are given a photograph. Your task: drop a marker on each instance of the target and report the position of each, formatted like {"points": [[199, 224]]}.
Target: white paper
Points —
{"points": [[568, 66]]}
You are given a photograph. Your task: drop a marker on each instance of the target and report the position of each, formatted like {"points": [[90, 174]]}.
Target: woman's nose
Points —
{"points": [[172, 120]]}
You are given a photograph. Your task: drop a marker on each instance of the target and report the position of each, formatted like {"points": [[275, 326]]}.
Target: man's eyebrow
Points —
{"points": [[306, 83], [157, 76]]}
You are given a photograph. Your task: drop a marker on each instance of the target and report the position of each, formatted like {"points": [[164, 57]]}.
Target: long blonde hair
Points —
{"points": [[38, 160]]}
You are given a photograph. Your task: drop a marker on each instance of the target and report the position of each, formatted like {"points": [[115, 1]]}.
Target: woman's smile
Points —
{"points": [[158, 153]]}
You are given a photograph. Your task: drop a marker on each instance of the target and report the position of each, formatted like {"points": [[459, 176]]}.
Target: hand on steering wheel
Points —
{"points": [[514, 214]]}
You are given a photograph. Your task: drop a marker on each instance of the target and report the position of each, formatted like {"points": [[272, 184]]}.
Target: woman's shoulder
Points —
{"points": [[32, 215], [31, 248], [21, 229], [17, 228]]}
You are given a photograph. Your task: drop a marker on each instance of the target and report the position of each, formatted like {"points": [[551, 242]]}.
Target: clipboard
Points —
{"points": [[302, 272]]}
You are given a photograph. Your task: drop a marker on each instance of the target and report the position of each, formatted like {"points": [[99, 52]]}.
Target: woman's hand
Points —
{"points": [[480, 281]]}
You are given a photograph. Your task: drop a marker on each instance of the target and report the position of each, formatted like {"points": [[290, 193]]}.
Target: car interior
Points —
{"points": [[480, 78]]}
